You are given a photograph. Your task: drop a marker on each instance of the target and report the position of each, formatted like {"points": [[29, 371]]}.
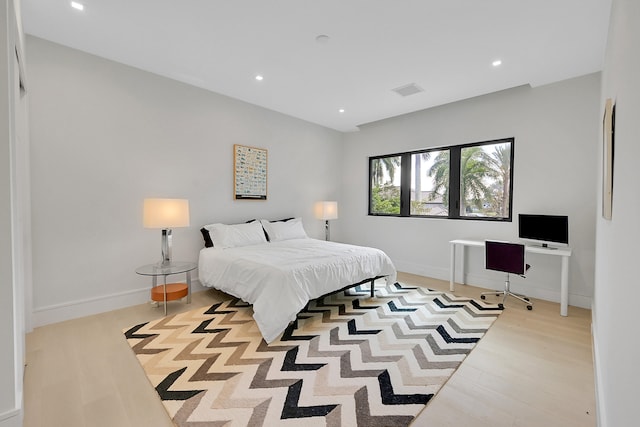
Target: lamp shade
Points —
{"points": [[166, 213], [327, 210]]}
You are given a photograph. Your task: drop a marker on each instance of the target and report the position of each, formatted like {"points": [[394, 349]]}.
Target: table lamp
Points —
{"points": [[166, 214], [326, 211]]}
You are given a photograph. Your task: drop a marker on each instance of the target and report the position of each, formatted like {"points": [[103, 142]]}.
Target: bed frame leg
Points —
{"points": [[373, 288]]}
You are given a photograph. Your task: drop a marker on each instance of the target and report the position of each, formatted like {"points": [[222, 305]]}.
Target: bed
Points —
{"points": [[280, 272]]}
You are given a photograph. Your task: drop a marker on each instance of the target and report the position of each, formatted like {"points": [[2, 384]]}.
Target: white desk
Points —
{"points": [[565, 253]]}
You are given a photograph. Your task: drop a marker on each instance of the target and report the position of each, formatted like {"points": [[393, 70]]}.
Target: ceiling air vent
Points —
{"points": [[407, 90]]}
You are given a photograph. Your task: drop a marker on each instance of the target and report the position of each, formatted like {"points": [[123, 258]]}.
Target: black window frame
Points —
{"points": [[454, 181]]}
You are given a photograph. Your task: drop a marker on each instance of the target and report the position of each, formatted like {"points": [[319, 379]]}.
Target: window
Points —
{"points": [[385, 185], [471, 181], [430, 183]]}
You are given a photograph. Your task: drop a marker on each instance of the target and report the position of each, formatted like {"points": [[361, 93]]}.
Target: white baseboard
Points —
{"points": [[12, 418], [423, 270], [100, 304], [489, 282]]}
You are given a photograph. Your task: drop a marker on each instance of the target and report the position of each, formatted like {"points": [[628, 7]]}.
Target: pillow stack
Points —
{"points": [[254, 232]]}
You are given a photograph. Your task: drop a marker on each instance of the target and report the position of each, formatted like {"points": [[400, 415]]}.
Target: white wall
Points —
{"points": [[105, 136], [555, 129], [615, 311], [7, 394], [12, 221]]}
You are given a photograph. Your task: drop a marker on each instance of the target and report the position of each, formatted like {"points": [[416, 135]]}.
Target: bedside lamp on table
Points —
{"points": [[167, 214], [326, 211]]}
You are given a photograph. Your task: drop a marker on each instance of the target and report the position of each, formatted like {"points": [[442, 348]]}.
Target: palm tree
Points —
{"points": [[499, 161], [439, 171], [473, 171], [382, 165]]}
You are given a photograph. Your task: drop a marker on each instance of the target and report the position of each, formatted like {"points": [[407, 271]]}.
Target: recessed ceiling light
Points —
{"points": [[76, 5], [341, 110], [259, 77], [322, 38], [496, 63]]}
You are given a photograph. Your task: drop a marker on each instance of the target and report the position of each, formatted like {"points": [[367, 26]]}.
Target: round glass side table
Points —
{"points": [[172, 291]]}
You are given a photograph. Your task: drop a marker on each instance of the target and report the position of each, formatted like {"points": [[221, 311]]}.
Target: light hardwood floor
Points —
{"points": [[532, 368]]}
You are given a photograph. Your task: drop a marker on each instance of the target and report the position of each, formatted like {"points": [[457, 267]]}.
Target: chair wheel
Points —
{"points": [[526, 299], [483, 297], [501, 306], [529, 307]]}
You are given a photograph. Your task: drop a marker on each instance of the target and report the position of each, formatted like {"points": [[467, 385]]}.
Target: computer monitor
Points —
{"points": [[544, 229], [504, 256]]}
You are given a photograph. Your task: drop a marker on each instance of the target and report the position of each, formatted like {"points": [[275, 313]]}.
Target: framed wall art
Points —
{"points": [[608, 146], [249, 173]]}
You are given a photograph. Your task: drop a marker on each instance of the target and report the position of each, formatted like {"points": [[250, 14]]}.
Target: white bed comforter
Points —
{"points": [[279, 278]]}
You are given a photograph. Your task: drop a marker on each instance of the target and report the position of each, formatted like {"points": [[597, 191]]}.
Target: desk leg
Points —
{"points": [[564, 286], [188, 287], [452, 268], [463, 251]]}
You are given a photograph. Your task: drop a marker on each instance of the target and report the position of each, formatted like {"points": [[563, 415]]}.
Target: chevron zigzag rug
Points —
{"points": [[349, 360]]}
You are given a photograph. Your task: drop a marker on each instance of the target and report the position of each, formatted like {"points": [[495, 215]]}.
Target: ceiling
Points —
{"points": [[445, 47]]}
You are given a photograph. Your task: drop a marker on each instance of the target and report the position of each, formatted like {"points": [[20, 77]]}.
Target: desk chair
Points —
{"points": [[508, 258]]}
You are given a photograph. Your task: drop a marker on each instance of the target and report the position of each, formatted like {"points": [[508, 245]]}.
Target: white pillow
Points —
{"points": [[230, 236], [284, 230]]}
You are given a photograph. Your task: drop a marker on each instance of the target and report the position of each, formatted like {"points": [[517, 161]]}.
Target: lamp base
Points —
{"points": [[326, 230], [166, 246]]}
